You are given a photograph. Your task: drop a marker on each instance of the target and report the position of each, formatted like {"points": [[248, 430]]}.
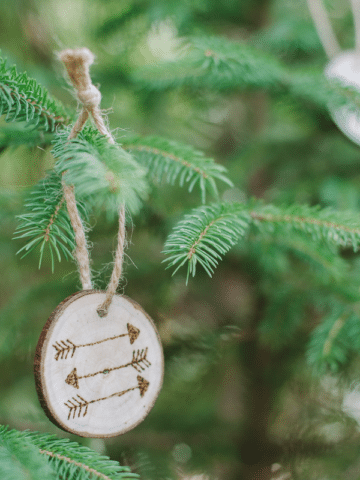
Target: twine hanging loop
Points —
{"points": [[77, 63]]}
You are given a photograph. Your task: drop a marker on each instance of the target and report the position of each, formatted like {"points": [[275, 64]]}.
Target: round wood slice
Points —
{"points": [[98, 377], [345, 67]]}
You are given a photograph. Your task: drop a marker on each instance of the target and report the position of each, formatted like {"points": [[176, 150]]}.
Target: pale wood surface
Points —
{"points": [[345, 68], [98, 377]]}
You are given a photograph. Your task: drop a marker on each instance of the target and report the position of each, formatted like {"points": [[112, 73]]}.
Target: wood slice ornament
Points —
{"points": [[345, 68], [99, 361], [98, 377]]}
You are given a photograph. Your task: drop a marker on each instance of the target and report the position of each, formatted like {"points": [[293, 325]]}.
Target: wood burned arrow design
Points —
{"points": [[64, 348], [78, 404], [139, 362]]}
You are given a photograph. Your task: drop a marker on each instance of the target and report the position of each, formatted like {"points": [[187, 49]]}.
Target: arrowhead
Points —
{"points": [[143, 385], [72, 379], [133, 332]]}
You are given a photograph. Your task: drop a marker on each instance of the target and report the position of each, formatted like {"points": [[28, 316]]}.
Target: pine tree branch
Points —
{"points": [[209, 232], [332, 341], [215, 63], [91, 471], [73, 462], [53, 218], [104, 175], [71, 457], [47, 223], [23, 100], [333, 333], [175, 161], [66, 459], [220, 64], [206, 234], [340, 228]]}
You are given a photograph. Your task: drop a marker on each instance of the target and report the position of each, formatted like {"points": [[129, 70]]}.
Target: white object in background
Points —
{"points": [[345, 67]]}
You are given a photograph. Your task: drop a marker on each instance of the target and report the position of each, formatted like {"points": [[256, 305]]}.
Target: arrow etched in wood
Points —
{"points": [[78, 404], [139, 362], [64, 348]]}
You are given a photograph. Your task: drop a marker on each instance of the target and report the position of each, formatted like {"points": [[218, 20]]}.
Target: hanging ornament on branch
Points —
{"points": [[344, 66], [99, 361]]}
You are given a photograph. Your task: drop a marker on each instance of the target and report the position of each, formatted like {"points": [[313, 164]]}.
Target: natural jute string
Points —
{"points": [[77, 63]]}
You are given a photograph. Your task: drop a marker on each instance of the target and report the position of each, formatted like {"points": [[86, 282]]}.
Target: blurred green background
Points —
{"points": [[236, 399]]}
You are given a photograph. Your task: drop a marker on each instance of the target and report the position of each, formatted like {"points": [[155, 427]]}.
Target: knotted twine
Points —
{"points": [[77, 63]]}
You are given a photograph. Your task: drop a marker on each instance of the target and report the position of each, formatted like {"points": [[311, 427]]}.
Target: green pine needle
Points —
{"points": [[103, 174], [33, 455], [207, 233], [217, 63], [322, 225], [333, 340], [176, 162], [22, 99], [46, 224]]}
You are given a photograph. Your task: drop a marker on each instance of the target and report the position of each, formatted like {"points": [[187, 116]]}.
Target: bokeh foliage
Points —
{"points": [[242, 82]]}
